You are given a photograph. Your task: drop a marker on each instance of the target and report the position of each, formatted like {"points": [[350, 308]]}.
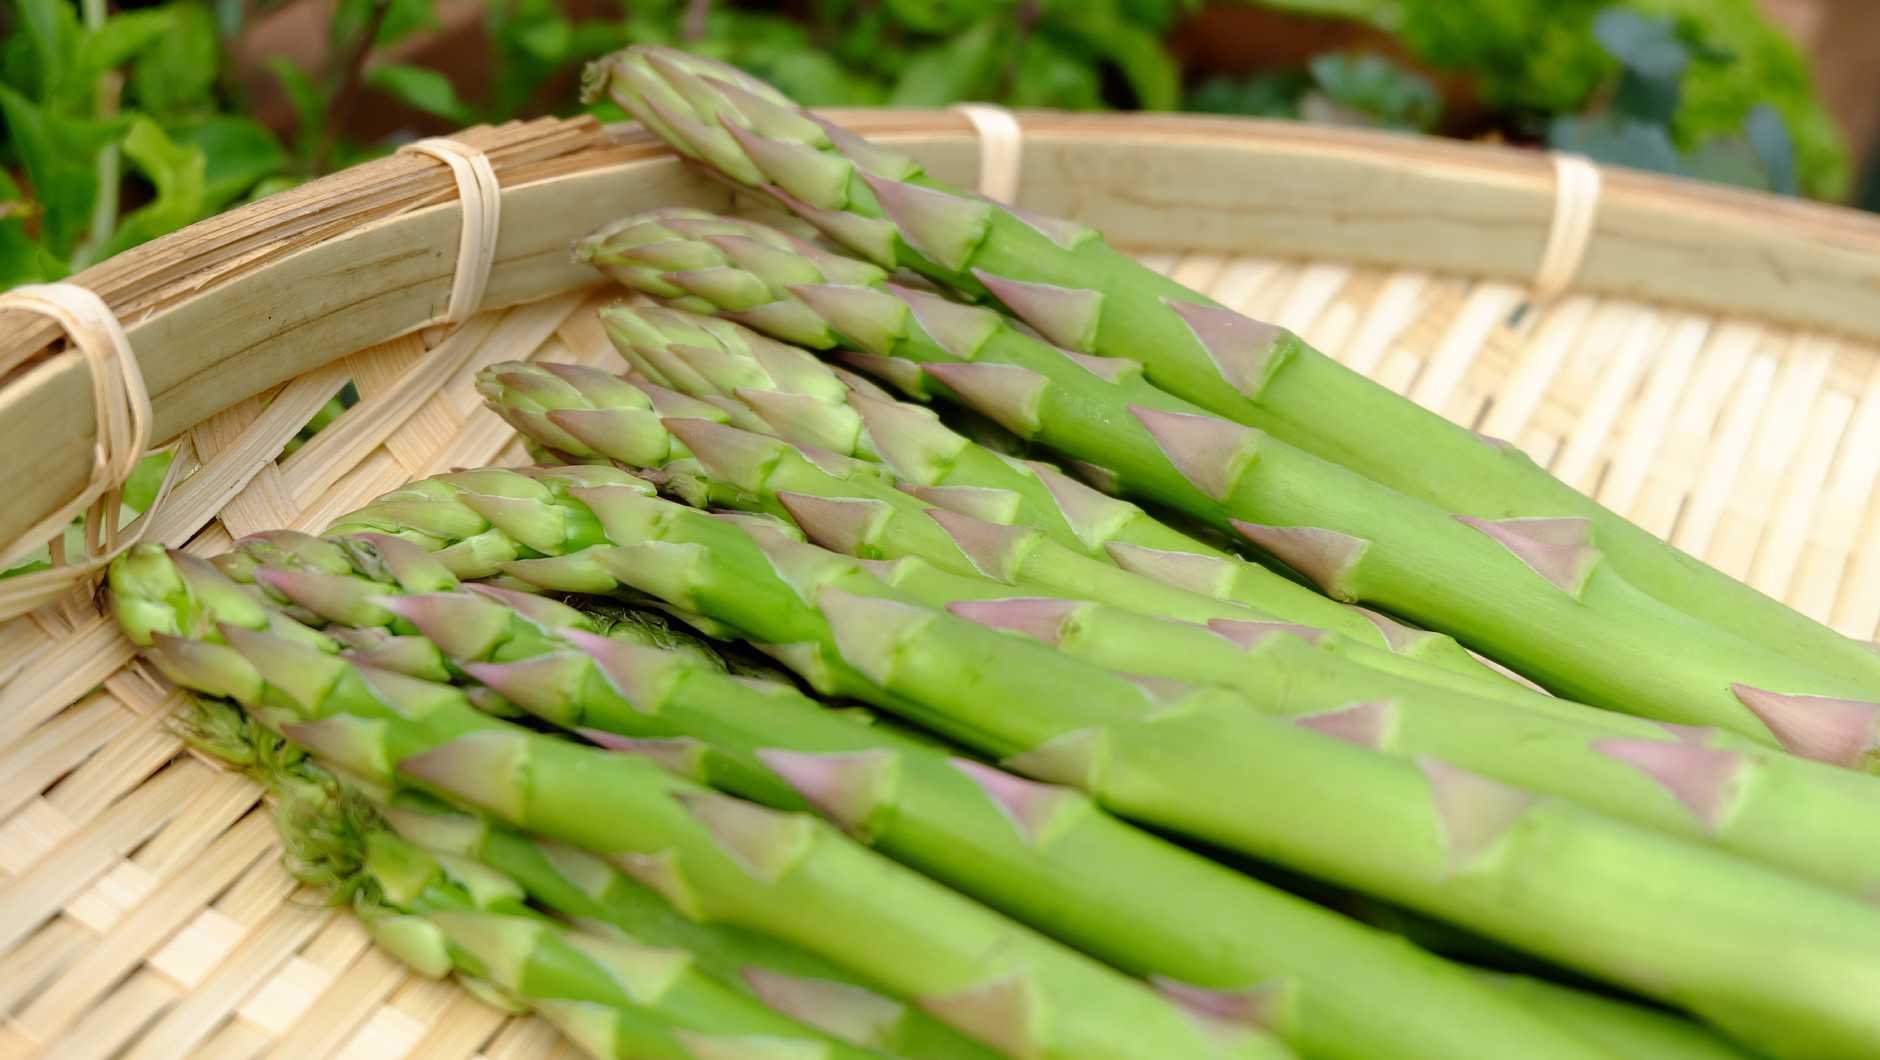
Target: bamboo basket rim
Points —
{"points": [[165, 290]]}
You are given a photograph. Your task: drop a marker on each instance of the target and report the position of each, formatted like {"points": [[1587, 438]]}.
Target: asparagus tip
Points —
{"points": [[1837, 731], [1033, 808], [1210, 452], [1366, 723], [1011, 395], [1475, 813], [995, 550], [1566, 566], [849, 788], [848, 1012], [766, 843], [999, 1012], [944, 228], [1065, 316], [839, 525], [1047, 618], [1241, 347], [959, 329], [1701, 778], [1327, 557]]}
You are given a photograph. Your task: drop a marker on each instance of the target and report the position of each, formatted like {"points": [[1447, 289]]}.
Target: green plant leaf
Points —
{"points": [[175, 75], [238, 151], [274, 185], [57, 154], [141, 488], [946, 73], [308, 101], [547, 39], [404, 18], [1050, 75], [1137, 53], [942, 16], [53, 29], [1768, 136], [178, 175], [1604, 138], [419, 87], [121, 37], [1385, 93]]}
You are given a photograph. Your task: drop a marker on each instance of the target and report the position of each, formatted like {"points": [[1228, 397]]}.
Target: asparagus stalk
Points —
{"points": [[712, 856], [1633, 1032], [1707, 932], [579, 885], [801, 403], [1532, 593], [1064, 281], [1047, 857]]}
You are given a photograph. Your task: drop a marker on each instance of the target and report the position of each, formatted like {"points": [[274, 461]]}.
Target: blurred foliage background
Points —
{"points": [[126, 119]]}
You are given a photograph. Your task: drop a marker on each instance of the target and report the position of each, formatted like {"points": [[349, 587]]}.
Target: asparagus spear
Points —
{"points": [[1534, 873], [1045, 856], [1532, 593], [1630, 1031], [802, 404], [1064, 281], [1784, 812], [713, 856]]}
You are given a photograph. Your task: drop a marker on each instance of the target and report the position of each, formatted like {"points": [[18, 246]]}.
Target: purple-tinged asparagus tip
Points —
{"points": [[542, 684], [738, 458], [1566, 567], [538, 610], [1208, 575], [996, 551], [869, 632], [305, 674], [1211, 453], [415, 569], [1001, 1013], [850, 788], [1258, 1006], [869, 318], [1366, 724], [944, 228], [1839, 732], [848, 1012], [1398, 637], [1075, 759], [214, 668], [1249, 634], [339, 598], [644, 676], [838, 524], [983, 503], [818, 178], [958, 329], [1474, 813], [682, 756], [661, 872], [766, 843], [464, 625], [1012, 396], [482, 768], [1327, 557], [346, 740], [1699, 777], [1035, 809], [1065, 316], [1047, 618], [871, 237], [1241, 348]]}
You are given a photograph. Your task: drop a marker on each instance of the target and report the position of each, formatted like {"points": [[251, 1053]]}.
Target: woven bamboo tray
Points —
{"points": [[1711, 372]]}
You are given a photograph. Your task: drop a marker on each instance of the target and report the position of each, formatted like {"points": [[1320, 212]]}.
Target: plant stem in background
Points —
{"points": [[104, 209], [344, 99]]}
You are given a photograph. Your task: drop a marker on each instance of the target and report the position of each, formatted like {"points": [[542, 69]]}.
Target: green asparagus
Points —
{"points": [[1064, 281]]}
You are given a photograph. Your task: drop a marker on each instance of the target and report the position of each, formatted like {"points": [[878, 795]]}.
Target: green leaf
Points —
{"points": [[53, 29], [947, 73], [1387, 94], [121, 37], [405, 17], [1604, 138], [238, 152], [1768, 135], [814, 78], [141, 488], [416, 86], [57, 154], [308, 101], [1052, 76], [547, 39], [1135, 51], [176, 73], [176, 171], [21, 259], [941, 16]]}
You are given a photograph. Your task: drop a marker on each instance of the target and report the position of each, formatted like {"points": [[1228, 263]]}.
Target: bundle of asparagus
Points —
{"points": [[523, 774]]}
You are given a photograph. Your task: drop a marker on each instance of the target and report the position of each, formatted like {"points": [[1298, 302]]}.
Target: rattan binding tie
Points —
{"points": [[482, 216], [1001, 149], [123, 417], [1576, 206]]}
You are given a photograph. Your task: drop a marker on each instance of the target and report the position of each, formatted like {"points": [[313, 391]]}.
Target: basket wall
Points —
{"points": [[143, 912]]}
